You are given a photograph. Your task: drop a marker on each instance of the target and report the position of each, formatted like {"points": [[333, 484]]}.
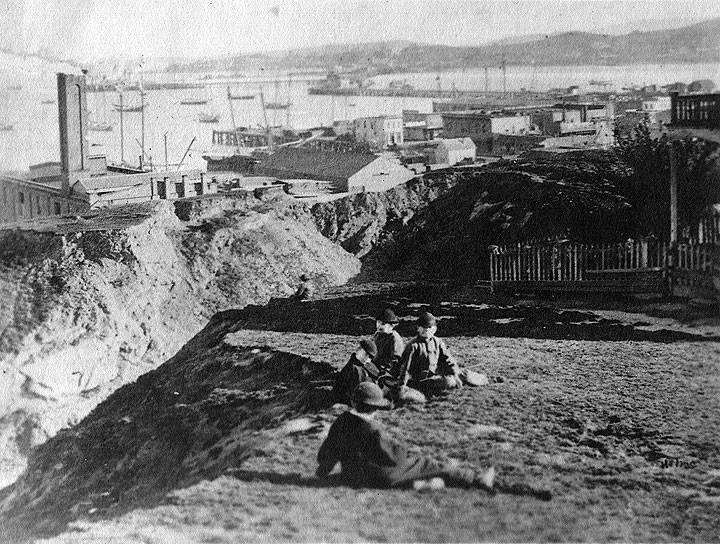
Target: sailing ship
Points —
{"points": [[241, 96], [193, 102], [99, 126], [276, 104], [204, 117]]}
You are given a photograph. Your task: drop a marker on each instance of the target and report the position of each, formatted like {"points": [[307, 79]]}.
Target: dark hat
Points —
{"points": [[369, 346], [370, 394], [426, 320], [303, 277], [388, 316]]}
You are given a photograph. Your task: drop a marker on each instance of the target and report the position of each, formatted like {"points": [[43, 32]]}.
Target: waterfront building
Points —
{"points": [[81, 181], [421, 126], [382, 131], [485, 128], [347, 171]]}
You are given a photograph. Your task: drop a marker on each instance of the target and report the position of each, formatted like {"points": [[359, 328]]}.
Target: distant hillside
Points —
{"points": [[690, 44]]}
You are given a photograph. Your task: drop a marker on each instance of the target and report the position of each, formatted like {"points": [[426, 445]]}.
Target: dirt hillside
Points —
{"points": [[100, 300], [613, 416]]}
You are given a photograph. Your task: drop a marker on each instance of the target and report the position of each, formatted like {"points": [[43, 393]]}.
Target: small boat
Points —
{"points": [[48, 101], [16, 87], [129, 109], [5, 127], [208, 117], [277, 105], [241, 96], [99, 126], [600, 82], [193, 102]]}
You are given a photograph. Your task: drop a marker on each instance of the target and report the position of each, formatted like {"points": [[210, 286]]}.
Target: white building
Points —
{"points": [[383, 131], [510, 124], [454, 150], [661, 103]]}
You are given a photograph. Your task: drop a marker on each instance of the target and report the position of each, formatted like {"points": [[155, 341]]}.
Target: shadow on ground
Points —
{"points": [[354, 315]]}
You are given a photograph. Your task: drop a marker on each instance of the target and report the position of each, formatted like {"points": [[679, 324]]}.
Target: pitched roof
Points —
{"points": [[105, 183], [322, 165]]}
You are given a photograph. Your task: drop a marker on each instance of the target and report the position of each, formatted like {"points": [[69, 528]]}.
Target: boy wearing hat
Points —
{"points": [[359, 369], [389, 343], [426, 363], [370, 458]]}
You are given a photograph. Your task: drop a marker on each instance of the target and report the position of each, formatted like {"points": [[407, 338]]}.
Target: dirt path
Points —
{"points": [[625, 434]]}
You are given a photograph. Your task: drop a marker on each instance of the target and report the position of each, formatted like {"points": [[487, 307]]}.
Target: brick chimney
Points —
{"points": [[73, 118]]}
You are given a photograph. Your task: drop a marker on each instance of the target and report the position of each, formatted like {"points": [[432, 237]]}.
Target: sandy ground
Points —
{"points": [[616, 414]]}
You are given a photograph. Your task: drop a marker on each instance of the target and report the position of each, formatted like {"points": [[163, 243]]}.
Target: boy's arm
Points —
{"points": [[406, 363], [328, 455], [446, 360], [397, 353]]}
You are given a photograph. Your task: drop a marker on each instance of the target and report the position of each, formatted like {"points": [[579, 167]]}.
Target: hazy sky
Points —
{"points": [[89, 29]]}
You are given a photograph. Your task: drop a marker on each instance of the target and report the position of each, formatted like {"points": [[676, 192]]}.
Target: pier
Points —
{"points": [[405, 92]]}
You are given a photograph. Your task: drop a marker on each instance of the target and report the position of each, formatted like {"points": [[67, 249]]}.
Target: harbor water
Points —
{"points": [[30, 106]]}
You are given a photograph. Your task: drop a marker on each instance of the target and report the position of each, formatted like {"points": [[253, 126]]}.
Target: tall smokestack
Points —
{"points": [[72, 114]]}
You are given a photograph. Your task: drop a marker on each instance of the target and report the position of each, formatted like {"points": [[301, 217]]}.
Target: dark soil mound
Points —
{"points": [[573, 197], [190, 418]]}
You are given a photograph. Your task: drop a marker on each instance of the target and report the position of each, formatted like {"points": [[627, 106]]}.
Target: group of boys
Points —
{"points": [[405, 373], [383, 369]]}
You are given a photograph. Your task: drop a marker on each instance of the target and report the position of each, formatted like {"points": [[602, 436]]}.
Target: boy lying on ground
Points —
{"points": [[370, 458]]}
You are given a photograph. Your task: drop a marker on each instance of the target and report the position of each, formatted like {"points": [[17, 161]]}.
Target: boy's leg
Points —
{"points": [[424, 468]]}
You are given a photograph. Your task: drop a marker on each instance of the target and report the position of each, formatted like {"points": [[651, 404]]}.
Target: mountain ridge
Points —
{"points": [[695, 43]]}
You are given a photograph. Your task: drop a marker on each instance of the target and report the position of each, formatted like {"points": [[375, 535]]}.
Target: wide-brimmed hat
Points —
{"points": [[387, 316], [426, 320], [370, 394], [369, 346]]}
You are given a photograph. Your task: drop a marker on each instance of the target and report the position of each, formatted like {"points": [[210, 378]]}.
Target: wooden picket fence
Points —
{"points": [[646, 265]]}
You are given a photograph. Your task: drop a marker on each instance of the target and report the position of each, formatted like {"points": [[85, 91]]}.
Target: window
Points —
{"points": [[57, 208], [37, 202], [21, 196]]}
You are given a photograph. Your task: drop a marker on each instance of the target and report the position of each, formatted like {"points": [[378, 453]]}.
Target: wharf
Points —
{"points": [[147, 86], [494, 96]]}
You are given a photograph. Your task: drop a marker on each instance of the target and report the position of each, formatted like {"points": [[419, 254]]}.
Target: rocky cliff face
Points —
{"points": [[99, 301]]}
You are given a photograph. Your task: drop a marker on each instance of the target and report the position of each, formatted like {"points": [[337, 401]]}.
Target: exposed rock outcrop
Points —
{"points": [[98, 301]]}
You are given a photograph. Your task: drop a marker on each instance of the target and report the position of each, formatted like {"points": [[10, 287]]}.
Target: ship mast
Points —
{"points": [[267, 125], [142, 122], [122, 131], [232, 118]]}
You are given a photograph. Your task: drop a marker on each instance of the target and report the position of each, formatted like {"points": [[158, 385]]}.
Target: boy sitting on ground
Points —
{"points": [[359, 369], [370, 458], [390, 344], [426, 363]]}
